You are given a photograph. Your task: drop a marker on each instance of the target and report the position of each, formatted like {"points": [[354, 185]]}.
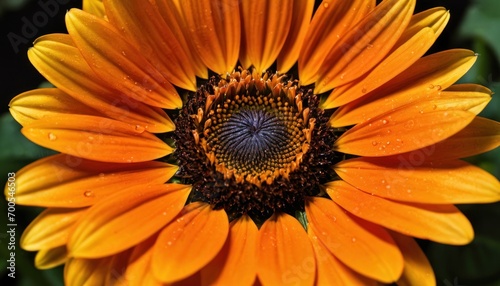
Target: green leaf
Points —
{"points": [[482, 21], [476, 263], [15, 150]]}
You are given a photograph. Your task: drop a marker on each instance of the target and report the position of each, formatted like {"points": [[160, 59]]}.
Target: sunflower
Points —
{"points": [[251, 143]]}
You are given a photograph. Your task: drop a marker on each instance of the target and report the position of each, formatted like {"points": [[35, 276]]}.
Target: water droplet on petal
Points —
{"points": [[388, 186], [326, 5], [374, 143], [431, 86], [52, 136], [384, 121], [88, 194], [438, 87], [353, 239], [409, 124], [363, 90], [369, 46], [139, 129]]}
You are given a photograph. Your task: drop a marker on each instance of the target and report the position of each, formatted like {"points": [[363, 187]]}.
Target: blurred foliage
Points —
{"points": [[474, 264]]}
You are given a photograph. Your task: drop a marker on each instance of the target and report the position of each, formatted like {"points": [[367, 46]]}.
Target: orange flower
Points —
{"points": [[251, 142]]}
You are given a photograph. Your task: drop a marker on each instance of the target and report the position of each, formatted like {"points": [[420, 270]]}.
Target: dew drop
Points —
{"points": [[88, 194], [374, 143], [388, 186], [363, 90], [353, 239], [434, 107], [101, 175], [431, 86], [124, 54], [326, 5], [409, 124], [384, 121], [369, 46], [408, 191], [139, 129], [383, 181], [169, 243], [438, 87], [342, 76], [52, 136]]}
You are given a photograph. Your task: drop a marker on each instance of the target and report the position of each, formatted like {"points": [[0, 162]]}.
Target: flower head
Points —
{"points": [[240, 142]]}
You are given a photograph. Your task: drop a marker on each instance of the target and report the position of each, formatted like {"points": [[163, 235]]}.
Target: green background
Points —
{"points": [[474, 25]]}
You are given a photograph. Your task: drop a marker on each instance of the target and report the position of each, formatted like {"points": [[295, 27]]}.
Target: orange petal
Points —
{"points": [[35, 104], [480, 136], [103, 271], [330, 270], [418, 270], [66, 181], [284, 253], [60, 62], [440, 223], [172, 15], [470, 97], [138, 272], [395, 63], [412, 179], [125, 219], [365, 247], [427, 77], [406, 129], [301, 17], [80, 271], [365, 45], [118, 62], [215, 31], [94, 7], [236, 263], [422, 31], [96, 138], [52, 257], [50, 229], [190, 242], [331, 21], [435, 18], [265, 26], [142, 24]]}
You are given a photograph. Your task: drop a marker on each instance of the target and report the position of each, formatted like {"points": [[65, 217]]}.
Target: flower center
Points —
{"points": [[253, 128], [253, 144]]}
